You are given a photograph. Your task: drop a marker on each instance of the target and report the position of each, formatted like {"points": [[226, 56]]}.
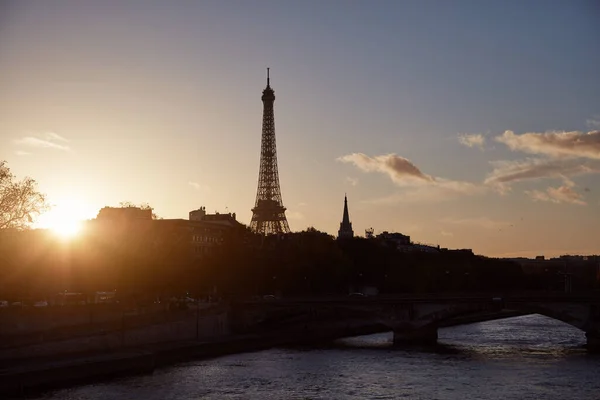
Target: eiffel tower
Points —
{"points": [[268, 214]]}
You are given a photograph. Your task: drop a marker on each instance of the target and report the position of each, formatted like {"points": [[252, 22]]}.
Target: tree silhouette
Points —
{"points": [[20, 202], [141, 206]]}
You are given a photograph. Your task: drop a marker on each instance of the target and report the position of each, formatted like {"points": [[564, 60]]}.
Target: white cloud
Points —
{"points": [[444, 233], [22, 153], [554, 144], [48, 140], [472, 140], [352, 181]]}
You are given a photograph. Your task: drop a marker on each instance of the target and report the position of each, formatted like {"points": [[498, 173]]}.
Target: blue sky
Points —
{"points": [[159, 102]]}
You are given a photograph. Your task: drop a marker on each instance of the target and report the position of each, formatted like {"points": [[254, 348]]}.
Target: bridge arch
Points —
{"points": [[417, 321], [437, 319]]}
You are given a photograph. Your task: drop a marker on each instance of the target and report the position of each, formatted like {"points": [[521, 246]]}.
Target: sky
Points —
{"points": [[465, 124]]}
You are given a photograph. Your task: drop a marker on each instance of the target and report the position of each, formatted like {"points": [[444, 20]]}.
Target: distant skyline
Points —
{"points": [[468, 124]]}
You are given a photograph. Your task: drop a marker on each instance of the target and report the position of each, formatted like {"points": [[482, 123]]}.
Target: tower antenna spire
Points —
{"points": [[268, 78]]}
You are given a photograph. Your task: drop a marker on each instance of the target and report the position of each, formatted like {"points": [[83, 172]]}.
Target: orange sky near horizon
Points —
{"points": [[453, 134]]}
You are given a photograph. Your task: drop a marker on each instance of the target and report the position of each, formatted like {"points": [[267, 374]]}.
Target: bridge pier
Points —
{"points": [[417, 336], [593, 341]]}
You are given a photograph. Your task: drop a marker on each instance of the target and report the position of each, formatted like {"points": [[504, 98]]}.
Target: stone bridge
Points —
{"points": [[414, 320]]}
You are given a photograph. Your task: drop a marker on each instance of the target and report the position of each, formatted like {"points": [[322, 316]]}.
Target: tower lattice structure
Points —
{"points": [[268, 214]]}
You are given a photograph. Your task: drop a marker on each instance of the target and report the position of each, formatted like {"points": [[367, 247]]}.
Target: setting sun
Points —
{"points": [[66, 228], [64, 218]]}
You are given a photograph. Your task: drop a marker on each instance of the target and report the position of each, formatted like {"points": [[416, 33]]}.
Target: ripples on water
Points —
{"points": [[530, 357]]}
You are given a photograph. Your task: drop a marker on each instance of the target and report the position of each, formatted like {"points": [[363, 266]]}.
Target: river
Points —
{"points": [[529, 357]]}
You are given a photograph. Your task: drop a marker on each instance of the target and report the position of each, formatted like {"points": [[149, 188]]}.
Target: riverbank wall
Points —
{"points": [[38, 374], [188, 328]]}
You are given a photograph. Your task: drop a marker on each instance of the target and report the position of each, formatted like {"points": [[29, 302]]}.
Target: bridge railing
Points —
{"points": [[449, 296]]}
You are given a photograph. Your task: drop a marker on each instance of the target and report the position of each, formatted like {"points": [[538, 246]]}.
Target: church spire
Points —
{"points": [[346, 217], [346, 226]]}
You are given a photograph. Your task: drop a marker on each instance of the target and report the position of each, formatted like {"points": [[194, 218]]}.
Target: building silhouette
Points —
{"points": [[128, 213], [268, 214], [199, 235], [345, 231], [201, 215]]}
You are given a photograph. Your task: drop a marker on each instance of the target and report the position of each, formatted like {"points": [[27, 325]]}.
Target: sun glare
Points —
{"points": [[66, 229], [64, 218]]}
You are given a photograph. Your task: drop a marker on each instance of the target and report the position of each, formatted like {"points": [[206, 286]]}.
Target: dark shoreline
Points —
{"points": [[27, 380]]}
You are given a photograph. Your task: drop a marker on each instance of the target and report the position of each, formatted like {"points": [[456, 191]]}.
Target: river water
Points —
{"points": [[529, 357]]}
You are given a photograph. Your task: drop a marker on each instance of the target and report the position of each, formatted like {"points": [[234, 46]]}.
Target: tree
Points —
{"points": [[142, 206], [20, 201]]}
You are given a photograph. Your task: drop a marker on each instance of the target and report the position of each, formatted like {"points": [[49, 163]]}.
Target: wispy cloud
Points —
{"points": [[506, 172], [555, 144], [594, 122], [562, 194], [48, 140], [441, 191], [560, 155], [417, 186], [352, 181], [22, 153], [444, 233], [53, 136], [472, 140], [294, 215], [198, 186], [399, 169], [412, 229], [480, 222]]}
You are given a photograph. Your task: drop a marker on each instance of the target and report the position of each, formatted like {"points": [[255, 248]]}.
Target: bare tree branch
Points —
{"points": [[20, 201], [141, 206]]}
